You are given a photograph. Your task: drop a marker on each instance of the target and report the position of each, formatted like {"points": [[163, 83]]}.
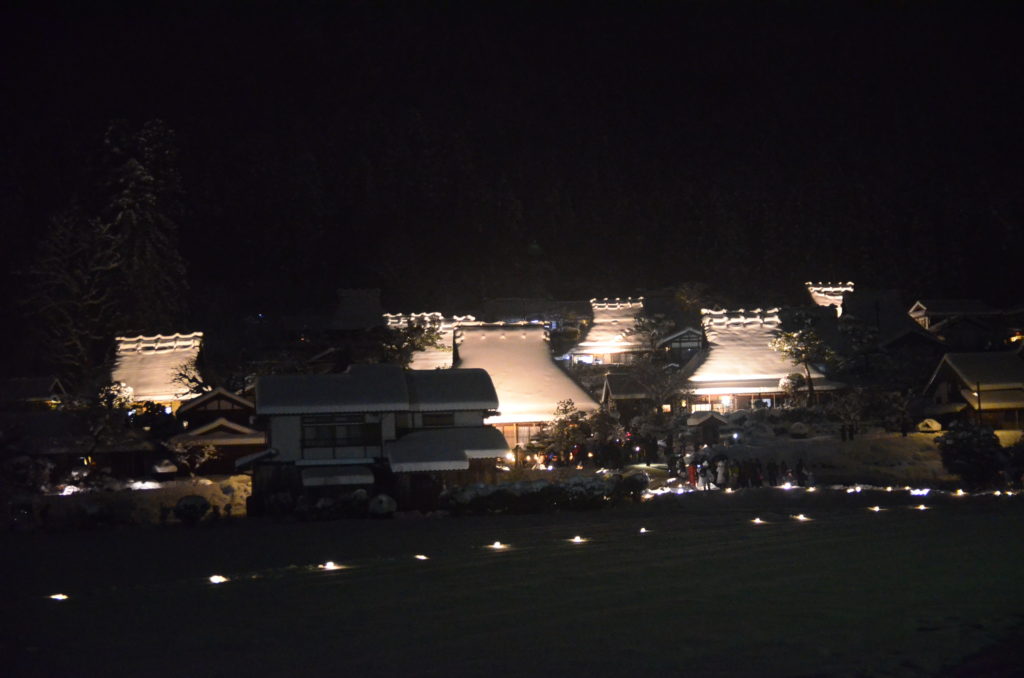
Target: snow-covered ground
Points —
{"points": [[702, 591]]}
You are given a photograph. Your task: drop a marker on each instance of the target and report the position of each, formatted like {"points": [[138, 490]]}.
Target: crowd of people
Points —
{"points": [[720, 472]]}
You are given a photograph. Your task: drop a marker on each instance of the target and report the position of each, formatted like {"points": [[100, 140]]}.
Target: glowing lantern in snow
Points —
{"points": [[757, 521], [921, 507], [577, 540], [58, 596], [498, 546], [801, 517], [420, 556], [876, 509], [330, 565], [218, 579], [643, 530]]}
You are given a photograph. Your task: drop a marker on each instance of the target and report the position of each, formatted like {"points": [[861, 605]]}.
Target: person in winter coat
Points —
{"points": [[801, 473], [723, 474], [691, 474], [773, 472]]}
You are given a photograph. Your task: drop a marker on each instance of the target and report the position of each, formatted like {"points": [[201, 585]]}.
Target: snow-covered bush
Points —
{"points": [[382, 506], [972, 452], [579, 493], [191, 508]]}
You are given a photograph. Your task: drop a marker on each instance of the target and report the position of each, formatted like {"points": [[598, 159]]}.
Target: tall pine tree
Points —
{"points": [[109, 265]]}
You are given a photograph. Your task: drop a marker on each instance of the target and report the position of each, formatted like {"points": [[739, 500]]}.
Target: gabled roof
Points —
{"points": [[528, 382], [221, 432], [376, 388], [362, 388], [613, 327], [447, 449], [884, 311], [149, 364], [31, 389], [691, 331], [946, 307], [699, 418], [622, 387], [829, 294], [740, 355], [446, 390], [219, 392], [992, 371]]}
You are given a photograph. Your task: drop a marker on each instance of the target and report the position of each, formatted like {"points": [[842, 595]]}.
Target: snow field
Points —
{"points": [[702, 592]]}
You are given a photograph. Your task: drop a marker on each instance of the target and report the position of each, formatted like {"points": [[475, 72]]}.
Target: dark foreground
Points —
{"points": [[900, 592]]}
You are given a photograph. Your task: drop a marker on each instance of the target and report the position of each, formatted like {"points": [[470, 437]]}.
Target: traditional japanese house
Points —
{"points": [[983, 387], [741, 370], [223, 420], [149, 366], [829, 294], [528, 382], [611, 338]]}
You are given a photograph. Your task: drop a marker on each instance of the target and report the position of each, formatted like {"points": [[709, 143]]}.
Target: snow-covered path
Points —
{"points": [[703, 591]]}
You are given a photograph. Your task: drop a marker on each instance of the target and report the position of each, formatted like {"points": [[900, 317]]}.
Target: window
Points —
{"points": [[338, 430], [435, 419], [701, 407]]}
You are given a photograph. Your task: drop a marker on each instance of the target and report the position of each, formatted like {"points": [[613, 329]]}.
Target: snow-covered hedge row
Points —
{"points": [[139, 503], [543, 495]]}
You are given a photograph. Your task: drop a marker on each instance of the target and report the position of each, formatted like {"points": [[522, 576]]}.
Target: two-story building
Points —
{"points": [[374, 423]]}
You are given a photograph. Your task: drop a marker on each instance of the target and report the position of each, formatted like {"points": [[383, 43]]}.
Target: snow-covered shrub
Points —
{"points": [[382, 506], [972, 452], [191, 508], [26, 473], [929, 426], [532, 496], [798, 429]]}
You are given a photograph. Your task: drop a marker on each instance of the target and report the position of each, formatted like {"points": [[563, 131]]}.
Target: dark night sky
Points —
{"points": [[446, 151]]}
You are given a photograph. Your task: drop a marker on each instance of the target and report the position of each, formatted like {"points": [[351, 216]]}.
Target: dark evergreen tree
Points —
{"points": [[76, 298], [142, 191]]}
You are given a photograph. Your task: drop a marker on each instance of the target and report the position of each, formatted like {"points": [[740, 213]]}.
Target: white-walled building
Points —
{"points": [[338, 427]]}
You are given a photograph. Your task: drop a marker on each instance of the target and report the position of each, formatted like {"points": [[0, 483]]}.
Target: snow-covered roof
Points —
{"points": [[1009, 399], [946, 307], [699, 418], [613, 327], [148, 365], [221, 432], [740, 354], [528, 382], [829, 294], [447, 390], [362, 388], [376, 388], [993, 371], [439, 358], [690, 332], [622, 387], [219, 392], [444, 449]]}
